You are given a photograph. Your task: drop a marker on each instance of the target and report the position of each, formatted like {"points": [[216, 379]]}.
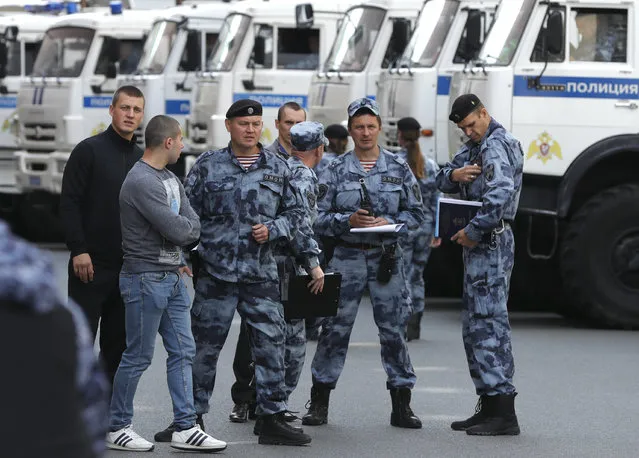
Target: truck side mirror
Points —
{"points": [[4, 57], [555, 33], [111, 71], [304, 16], [259, 51], [473, 34], [112, 46], [193, 52], [11, 33], [400, 36]]}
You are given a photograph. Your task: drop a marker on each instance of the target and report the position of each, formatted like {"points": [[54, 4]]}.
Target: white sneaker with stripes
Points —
{"points": [[196, 439], [129, 440]]}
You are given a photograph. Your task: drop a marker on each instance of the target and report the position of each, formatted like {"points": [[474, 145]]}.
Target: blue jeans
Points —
{"points": [[155, 302]]}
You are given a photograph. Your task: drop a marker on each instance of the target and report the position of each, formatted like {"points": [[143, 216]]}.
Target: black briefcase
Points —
{"points": [[299, 302]]}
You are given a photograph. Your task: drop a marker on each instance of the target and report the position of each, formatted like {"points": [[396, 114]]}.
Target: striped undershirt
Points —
{"points": [[247, 161], [368, 165]]}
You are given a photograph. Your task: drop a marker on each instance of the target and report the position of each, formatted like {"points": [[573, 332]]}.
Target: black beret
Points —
{"points": [[407, 124], [463, 106], [336, 131], [244, 107]]}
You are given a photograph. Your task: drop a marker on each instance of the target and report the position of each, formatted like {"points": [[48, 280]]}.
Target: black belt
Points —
{"points": [[358, 246]]}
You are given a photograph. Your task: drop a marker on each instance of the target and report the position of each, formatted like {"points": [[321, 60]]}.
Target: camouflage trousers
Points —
{"points": [[485, 325], [295, 354], [391, 310], [211, 317], [416, 252]]}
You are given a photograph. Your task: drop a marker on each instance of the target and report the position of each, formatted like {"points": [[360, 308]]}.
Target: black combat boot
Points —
{"points": [[483, 407], [318, 410], [275, 431], [257, 429], [402, 416], [501, 420], [413, 328], [167, 434], [239, 414]]}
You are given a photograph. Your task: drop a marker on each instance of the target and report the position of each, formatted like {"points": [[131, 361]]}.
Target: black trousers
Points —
{"points": [[243, 389], [102, 304]]}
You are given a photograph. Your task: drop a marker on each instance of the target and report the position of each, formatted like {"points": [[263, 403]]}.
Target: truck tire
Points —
{"points": [[600, 258], [39, 219]]}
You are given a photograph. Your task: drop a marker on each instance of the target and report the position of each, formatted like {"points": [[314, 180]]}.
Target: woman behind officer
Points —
{"points": [[417, 244]]}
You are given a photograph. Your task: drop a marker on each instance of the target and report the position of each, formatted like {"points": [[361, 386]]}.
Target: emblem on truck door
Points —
{"points": [[544, 147]]}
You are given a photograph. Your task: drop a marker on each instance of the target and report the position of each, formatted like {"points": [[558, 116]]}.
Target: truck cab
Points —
{"points": [[563, 77], [371, 39], [67, 95], [174, 53], [20, 38], [266, 51], [448, 36]]}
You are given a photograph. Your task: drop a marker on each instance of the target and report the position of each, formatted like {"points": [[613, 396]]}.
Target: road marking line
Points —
{"points": [[440, 390], [364, 344], [425, 369], [242, 443]]}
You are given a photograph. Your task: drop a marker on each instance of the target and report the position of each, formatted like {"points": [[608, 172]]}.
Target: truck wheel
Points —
{"points": [[600, 258]]}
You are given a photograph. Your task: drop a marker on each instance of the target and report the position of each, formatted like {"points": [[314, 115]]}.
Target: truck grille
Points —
{"points": [[42, 132], [139, 136], [198, 132]]}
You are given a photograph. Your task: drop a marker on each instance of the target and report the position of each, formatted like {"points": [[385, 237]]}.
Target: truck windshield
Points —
{"points": [[158, 47], [506, 32], [428, 39], [63, 52], [355, 39], [228, 43]]}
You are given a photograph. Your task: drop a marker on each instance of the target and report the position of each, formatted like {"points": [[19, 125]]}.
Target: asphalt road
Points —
{"points": [[577, 394]]}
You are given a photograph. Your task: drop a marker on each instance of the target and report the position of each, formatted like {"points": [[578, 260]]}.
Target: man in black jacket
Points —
{"points": [[90, 213]]}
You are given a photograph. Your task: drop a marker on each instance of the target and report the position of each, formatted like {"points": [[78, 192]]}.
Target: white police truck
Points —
{"points": [[563, 76], [174, 53], [267, 51], [66, 99], [20, 38], [448, 35], [371, 39]]}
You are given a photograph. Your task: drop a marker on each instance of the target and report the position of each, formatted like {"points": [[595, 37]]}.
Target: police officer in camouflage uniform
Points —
{"points": [[367, 176], [288, 115], [308, 142], [417, 244], [246, 203], [487, 169]]}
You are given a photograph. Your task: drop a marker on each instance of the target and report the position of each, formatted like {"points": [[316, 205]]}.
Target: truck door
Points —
{"points": [[569, 96]]}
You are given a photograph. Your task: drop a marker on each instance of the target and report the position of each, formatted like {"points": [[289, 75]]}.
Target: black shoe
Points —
{"points": [[275, 431], [288, 416], [402, 416], [318, 409], [482, 409], [413, 328], [239, 414], [166, 435], [200, 421], [258, 423], [502, 420], [312, 333]]}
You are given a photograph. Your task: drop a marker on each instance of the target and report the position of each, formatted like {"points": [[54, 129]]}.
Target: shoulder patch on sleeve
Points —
{"points": [[323, 189], [490, 172], [312, 201], [417, 192]]}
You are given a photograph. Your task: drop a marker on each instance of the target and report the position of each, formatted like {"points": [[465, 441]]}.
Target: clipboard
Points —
{"points": [[300, 303]]}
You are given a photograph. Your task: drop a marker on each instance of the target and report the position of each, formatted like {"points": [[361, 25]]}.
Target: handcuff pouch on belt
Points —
{"points": [[494, 233]]}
